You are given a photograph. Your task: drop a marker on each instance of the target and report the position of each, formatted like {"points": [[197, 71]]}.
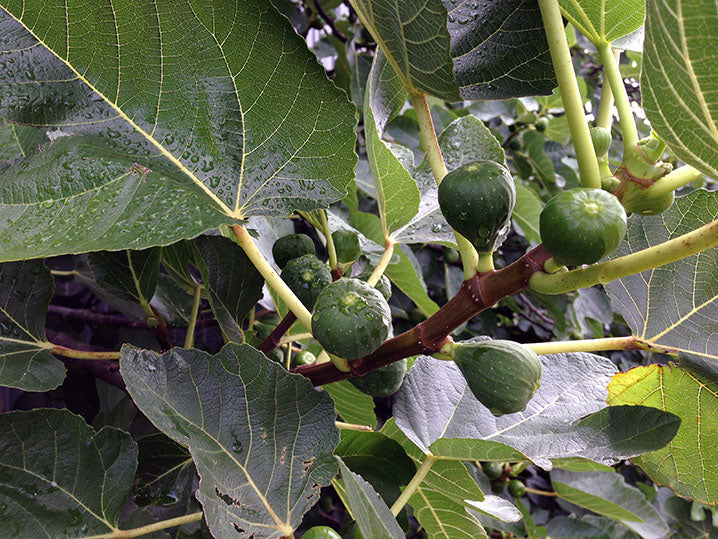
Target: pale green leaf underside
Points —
{"points": [[688, 463], [25, 360], [679, 81], [212, 99], [438, 503], [607, 494], [61, 478], [261, 438], [604, 20], [676, 305]]}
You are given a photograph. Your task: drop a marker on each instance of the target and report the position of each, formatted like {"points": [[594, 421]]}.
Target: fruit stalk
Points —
{"points": [[410, 489], [469, 257], [604, 117], [383, 263], [570, 95], [683, 246], [331, 251], [615, 80]]}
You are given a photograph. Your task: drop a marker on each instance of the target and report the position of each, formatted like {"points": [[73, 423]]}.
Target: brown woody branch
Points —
{"points": [[476, 294]]}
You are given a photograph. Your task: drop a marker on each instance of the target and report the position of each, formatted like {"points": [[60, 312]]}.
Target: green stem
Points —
{"points": [[189, 337], [150, 528], [615, 80], [486, 262], [541, 492], [382, 265], [272, 277], [64, 273], [286, 339], [570, 94], [82, 354], [672, 181], [413, 485], [469, 257], [585, 345], [331, 250], [688, 244], [604, 117], [352, 426], [288, 357]]}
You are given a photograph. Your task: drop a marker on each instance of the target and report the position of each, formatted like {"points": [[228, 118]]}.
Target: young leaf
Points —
{"points": [[396, 192], [61, 478], [233, 283], [371, 513], [604, 20], [607, 494], [352, 405], [375, 453], [566, 417], [678, 81], [25, 361], [675, 305], [208, 106], [245, 421], [439, 502], [687, 464]]}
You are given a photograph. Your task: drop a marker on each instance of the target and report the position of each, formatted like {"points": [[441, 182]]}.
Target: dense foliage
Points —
{"points": [[361, 268]]}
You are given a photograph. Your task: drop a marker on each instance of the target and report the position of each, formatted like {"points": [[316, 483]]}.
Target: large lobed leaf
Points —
{"points": [[61, 478], [679, 82], [676, 305], [212, 111], [604, 20], [567, 417], [25, 360], [261, 438], [688, 463]]}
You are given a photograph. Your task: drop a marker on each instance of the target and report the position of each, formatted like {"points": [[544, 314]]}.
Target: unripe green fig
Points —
{"points": [[582, 225], [497, 487], [303, 357], [346, 244], [502, 375], [634, 200], [292, 246], [384, 284], [541, 124], [493, 470], [451, 256], [383, 381], [515, 144], [477, 201], [307, 276], [601, 138], [351, 319], [321, 532], [516, 488]]}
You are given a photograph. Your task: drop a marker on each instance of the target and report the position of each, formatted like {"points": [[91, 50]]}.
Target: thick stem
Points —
{"points": [[664, 253], [593, 345], [486, 262], [570, 94], [476, 294], [672, 181], [150, 528], [625, 115], [189, 337], [272, 277], [413, 485], [382, 265], [83, 354], [331, 250], [469, 257]]}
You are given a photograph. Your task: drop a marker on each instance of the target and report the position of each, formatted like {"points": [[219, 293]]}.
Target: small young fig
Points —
{"points": [[292, 246], [582, 225], [477, 200], [601, 138], [383, 381], [516, 488], [541, 124], [502, 375], [307, 276], [321, 532], [303, 357], [384, 284], [493, 470], [351, 319], [346, 244]]}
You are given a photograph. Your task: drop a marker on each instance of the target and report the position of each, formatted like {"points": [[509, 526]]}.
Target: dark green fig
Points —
{"points": [[516, 488], [307, 276], [292, 246], [451, 256], [601, 138], [502, 375], [321, 532], [351, 319], [346, 244], [515, 144], [493, 470], [303, 357], [383, 286], [582, 225], [477, 201], [541, 124], [383, 381]]}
